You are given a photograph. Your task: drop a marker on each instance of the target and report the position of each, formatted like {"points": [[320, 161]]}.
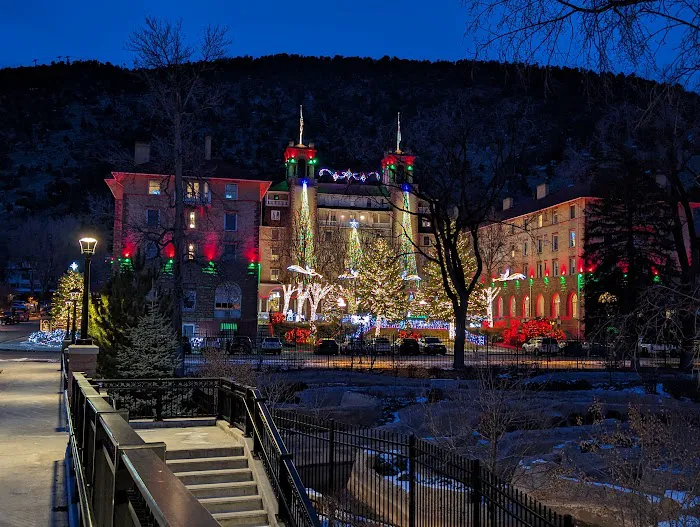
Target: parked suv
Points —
{"points": [[271, 345], [381, 345], [407, 347], [239, 344], [541, 346], [327, 347], [432, 346]]}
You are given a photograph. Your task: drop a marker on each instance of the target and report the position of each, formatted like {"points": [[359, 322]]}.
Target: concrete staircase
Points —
{"points": [[222, 480]]}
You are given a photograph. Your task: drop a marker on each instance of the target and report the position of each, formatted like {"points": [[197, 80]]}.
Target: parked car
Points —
{"points": [[541, 346], [407, 347], [654, 349], [327, 347], [432, 346], [22, 314], [239, 344], [381, 345], [271, 345], [8, 318], [353, 346], [597, 349]]}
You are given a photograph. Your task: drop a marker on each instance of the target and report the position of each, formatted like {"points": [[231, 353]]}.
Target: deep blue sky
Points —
{"points": [[44, 29]]}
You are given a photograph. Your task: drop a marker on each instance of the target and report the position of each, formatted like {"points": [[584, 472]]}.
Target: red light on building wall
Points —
{"points": [[563, 269], [170, 250], [532, 273], [251, 254]]}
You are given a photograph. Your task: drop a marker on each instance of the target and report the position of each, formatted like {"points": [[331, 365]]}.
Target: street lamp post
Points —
{"points": [[68, 306], [74, 297], [87, 247]]}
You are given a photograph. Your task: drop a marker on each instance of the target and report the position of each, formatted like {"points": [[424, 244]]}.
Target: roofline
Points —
{"points": [[537, 210], [121, 174]]}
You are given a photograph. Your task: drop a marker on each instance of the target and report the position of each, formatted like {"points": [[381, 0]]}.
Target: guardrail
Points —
{"points": [[118, 478]]}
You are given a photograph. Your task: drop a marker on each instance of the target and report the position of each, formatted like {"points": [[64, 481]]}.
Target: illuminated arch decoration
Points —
{"points": [[511, 307], [407, 248], [349, 175], [526, 307], [556, 306], [539, 306], [572, 307]]}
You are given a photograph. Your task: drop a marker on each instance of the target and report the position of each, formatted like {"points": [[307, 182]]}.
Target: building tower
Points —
{"points": [[300, 159], [397, 166]]}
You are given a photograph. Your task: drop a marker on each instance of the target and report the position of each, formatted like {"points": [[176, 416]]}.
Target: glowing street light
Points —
{"points": [[87, 247]]}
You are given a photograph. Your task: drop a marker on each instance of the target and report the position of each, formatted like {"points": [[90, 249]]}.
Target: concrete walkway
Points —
{"points": [[32, 444]]}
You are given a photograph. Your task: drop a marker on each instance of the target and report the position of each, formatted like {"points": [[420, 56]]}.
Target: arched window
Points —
{"points": [[526, 306], [499, 307], [511, 307], [539, 308], [573, 306], [556, 306], [227, 301]]}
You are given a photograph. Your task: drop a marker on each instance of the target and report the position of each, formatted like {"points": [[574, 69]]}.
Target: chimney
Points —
{"points": [[661, 180], [542, 190], [207, 148], [507, 203], [142, 153]]}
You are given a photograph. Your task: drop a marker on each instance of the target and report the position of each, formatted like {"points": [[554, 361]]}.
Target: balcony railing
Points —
{"points": [[197, 198], [277, 202]]}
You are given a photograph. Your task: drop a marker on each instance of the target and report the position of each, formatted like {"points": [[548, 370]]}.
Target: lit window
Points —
{"points": [[152, 217], [192, 220], [231, 222], [191, 251], [333, 217], [539, 246], [232, 191], [555, 242], [572, 265], [425, 222], [154, 187], [189, 300], [572, 238], [572, 212], [275, 215], [540, 220], [274, 274], [274, 254]]}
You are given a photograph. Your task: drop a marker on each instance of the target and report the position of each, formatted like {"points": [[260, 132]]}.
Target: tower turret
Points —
{"points": [[397, 166], [300, 159]]}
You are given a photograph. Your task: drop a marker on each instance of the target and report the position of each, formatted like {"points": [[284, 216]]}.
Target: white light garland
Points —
{"points": [[350, 175]]}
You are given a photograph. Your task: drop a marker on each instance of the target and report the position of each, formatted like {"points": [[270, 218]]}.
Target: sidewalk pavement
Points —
{"points": [[33, 443]]}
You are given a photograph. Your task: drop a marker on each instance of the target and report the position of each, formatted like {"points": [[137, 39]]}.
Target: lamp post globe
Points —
{"points": [[87, 248], [74, 297]]}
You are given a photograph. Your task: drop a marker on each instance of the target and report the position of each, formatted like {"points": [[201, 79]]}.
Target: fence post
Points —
{"points": [[476, 493], [285, 488], [331, 469], [568, 521], [412, 480]]}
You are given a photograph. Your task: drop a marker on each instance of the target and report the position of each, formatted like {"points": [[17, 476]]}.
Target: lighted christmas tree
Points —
{"points": [[150, 352], [59, 310], [380, 287], [354, 257], [304, 232], [406, 246]]}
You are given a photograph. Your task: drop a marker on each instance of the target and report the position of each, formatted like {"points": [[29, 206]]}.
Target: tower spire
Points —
{"points": [[398, 133], [301, 126]]}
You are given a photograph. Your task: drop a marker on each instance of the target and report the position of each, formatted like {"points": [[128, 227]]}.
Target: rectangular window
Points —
{"points": [[333, 216], [154, 187], [539, 269], [231, 191], [274, 234], [188, 330], [555, 217], [526, 268], [230, 250], [540, 220], [426, 241], [231, 222], [572, 238], [274, 254], [274, 274], [375, 217], [369, 203], [192, 217], [191, 251], [555, 242], [189, 300], [572, 212], [326, 236], [572, 265], [555, 268], [152, 217], [151, 249], [540, 245], [524, 248], [424, 222], [275, 215]]}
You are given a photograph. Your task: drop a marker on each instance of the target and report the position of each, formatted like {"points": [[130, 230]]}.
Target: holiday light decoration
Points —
{"points": [[305, 232], [349, 175], [490, 294], [505, 277], [354, 256], [407, 250]]}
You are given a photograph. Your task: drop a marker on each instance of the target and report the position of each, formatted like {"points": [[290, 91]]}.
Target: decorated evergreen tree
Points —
{"points": [[59, 310], [379, 287], [151, 348]]}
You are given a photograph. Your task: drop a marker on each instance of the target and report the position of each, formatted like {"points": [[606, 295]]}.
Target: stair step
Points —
{"points": [[242, 519], [197, 453], [207, 463], [215, 476], [223, 490], [235, 504]]}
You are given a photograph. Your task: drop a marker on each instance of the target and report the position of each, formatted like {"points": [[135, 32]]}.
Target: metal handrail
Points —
{"points": [[86, 515]]}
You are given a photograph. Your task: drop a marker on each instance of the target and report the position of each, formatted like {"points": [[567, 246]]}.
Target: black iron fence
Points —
{"points": [[389, 353], [362, 476]]}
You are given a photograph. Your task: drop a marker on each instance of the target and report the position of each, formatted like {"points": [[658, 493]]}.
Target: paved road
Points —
{"points": [[16, 333], [32, 442]]}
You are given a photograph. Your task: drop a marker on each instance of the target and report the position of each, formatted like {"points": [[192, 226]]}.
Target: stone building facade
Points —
{"points": [[542, 238], [222, 238]]}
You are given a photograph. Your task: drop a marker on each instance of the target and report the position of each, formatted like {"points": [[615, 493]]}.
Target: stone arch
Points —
{"points": [[572, 307], [526, 307], [556, 306], [539, 306], [511, 307]]}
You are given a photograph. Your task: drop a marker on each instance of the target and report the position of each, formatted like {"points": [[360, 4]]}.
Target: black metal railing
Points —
{"points": [[368, 355], [364, 475], [115, 477]]}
